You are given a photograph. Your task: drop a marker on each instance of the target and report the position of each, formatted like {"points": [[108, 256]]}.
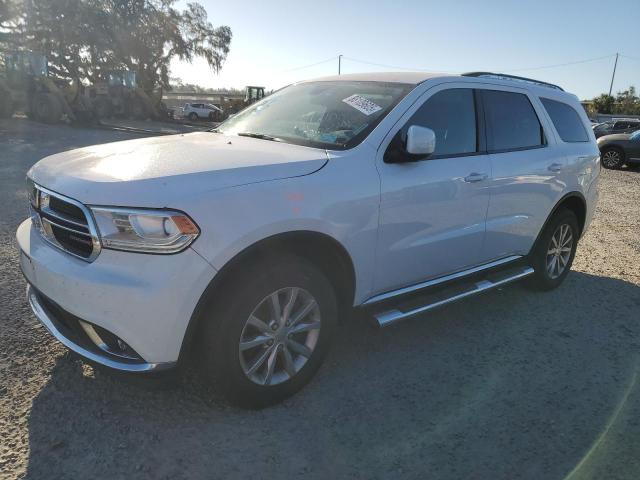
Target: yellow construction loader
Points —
{"points": [[25, 86], [118, 95]]}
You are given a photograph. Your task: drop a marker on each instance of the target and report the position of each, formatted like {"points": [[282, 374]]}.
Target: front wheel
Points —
{"points": [[267, 333], [553, 254], [193, 116]]}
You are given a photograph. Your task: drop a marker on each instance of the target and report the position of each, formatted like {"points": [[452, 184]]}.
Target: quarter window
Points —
{"points": [[566, 120], [512, 123]]}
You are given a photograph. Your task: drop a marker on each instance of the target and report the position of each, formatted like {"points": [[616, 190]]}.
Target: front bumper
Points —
{"points": [[145, 300], [83, 347]]}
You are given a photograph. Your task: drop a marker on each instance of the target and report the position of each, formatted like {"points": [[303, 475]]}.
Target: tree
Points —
{"points": [[86, 38], [604, 103], [627, 102]]}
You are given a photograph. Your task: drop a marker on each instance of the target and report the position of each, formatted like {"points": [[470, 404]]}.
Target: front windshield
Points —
{"points": [[333, 115]]}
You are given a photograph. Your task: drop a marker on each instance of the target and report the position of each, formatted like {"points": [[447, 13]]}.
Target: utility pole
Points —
{"points": [[339, 63], [614, 74]]}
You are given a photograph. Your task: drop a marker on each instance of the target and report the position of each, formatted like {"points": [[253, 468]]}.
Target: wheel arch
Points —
{"points": [[573, 201], [323, 251]]}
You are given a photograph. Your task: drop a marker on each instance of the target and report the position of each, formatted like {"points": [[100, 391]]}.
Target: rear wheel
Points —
{"points": [[612, 158], [553, 254], [267, 334], [47, 108]]}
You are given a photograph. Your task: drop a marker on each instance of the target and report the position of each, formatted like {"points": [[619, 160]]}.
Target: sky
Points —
{"points": [[275, 41]]}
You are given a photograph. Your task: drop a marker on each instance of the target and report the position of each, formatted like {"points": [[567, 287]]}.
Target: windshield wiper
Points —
{"points": [[261, 136]]}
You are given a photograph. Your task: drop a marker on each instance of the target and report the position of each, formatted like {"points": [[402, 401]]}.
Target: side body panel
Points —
{"points": [[432, 221]]}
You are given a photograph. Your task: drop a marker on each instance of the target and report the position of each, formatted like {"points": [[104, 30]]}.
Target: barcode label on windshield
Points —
{"points": [[362, 104]]}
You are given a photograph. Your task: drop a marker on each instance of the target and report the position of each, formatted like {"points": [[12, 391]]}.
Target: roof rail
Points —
{"points": [[504, 76]]}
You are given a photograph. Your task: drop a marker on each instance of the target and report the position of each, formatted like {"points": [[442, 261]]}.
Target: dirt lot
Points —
{"points": [[513, 384]]}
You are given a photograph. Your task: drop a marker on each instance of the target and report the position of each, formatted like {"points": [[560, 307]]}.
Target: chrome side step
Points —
{"points": [[431, 301], [440, 280]]}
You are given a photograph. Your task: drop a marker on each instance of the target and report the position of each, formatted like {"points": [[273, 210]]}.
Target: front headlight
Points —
{"points": [[148, 231]]}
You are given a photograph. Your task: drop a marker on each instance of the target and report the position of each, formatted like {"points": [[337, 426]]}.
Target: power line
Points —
{"points": [[540, 67], [331, 59], [383, 65], [630, 57], [560, 64], [397, 67]]}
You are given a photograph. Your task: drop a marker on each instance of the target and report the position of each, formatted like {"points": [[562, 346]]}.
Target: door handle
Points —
{"points": [[475, 177], [555, 167]]}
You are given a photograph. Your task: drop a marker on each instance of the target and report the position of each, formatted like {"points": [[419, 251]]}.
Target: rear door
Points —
{"points": [[526, 170]]}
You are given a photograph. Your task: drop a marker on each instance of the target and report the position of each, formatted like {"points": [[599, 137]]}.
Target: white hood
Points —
{"points": [[152, 172]]}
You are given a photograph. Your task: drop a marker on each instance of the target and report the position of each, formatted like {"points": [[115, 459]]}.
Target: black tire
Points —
{"points": [[193, 116], [47, 108], [539, 257], [102, 108], [136, 110], [6, 105], [223, 324], [612, 158]]}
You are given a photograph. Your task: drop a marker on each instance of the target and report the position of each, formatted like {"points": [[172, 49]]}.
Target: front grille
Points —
{"points": [[65, 223]]}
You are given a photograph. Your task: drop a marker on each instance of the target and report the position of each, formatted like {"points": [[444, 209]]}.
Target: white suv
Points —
{"points": [[395, 193], [195, 111]]}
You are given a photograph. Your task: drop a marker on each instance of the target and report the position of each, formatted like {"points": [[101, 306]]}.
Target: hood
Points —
{"points": [[151, 172]]}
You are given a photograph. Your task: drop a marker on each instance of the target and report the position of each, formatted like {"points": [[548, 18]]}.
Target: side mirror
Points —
{"points": [[420, 141]]}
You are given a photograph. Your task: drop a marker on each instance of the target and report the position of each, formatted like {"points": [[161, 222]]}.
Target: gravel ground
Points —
{"points": [[513, 384]]}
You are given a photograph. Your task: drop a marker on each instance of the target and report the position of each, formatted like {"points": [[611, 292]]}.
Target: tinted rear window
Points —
{"points": [[566, 120], [512, 123]]}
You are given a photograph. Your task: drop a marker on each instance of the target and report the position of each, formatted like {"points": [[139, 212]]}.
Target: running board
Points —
{"points": [[458, 292]]}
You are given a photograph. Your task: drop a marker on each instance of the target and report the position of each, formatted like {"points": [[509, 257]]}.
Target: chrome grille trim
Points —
{"points": [[44, 224], [60, 216], [68, 229]]}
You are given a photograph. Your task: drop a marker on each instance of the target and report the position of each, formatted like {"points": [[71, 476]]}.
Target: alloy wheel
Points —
{"points": [[559, 251], [611, 158], [279, 336]]}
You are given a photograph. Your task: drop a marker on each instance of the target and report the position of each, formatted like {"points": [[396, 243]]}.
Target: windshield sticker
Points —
{"points": [[362, 104]]}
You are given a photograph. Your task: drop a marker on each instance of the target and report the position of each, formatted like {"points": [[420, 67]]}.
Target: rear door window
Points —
{"points": [[512, 123], [566, 120]]}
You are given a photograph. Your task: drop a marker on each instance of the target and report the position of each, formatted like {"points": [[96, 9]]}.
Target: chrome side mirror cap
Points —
{"points": [[420, 141]]}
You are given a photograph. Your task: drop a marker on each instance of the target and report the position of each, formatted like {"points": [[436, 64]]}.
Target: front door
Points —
{"points": [[432, 212]]}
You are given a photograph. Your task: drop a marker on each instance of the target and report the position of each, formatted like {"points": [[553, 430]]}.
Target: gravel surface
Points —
{"points": [[512, 384]]}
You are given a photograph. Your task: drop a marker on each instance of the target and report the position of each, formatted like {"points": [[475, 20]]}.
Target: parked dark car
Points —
{"points": [[618, 150], [618, 126]]}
